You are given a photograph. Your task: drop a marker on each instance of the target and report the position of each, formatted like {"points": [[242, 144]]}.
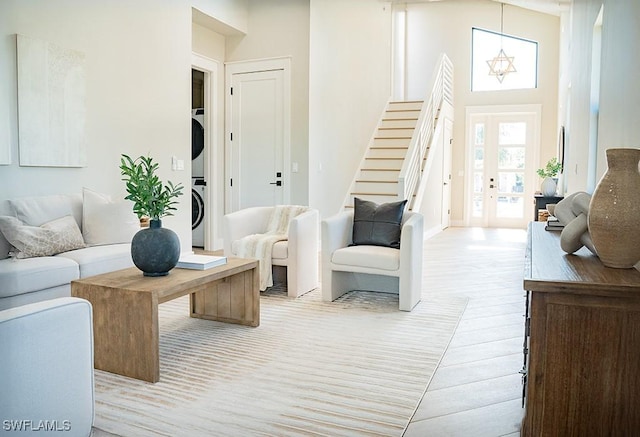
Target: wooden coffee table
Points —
{"points": [[125, 309]]}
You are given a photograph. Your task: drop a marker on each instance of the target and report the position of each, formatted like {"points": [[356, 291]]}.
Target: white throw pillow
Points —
{"points": [[105, 221], [51, 238], [34, 211]]}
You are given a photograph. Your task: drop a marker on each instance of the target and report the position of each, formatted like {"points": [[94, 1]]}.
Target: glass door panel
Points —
{"points": [[478, 171]]}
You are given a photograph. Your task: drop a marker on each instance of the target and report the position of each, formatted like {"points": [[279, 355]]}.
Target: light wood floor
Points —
{"points": [[476, 391]]}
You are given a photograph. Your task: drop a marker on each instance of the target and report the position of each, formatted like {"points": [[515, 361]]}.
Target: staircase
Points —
{"points": [[377, 178], [394, 164]]}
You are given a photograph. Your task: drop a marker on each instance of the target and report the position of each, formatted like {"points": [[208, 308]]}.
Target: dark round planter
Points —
{"points": [[155, 250]]}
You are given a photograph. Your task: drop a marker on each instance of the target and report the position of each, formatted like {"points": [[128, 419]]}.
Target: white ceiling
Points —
{"points": [[553, 7]]}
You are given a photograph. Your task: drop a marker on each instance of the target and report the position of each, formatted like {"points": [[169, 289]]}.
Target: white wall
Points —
{"points": [[439, 27], [280, 28], [230, 15], [349, 84], [138, 62], [619, 91], [208, 43]]}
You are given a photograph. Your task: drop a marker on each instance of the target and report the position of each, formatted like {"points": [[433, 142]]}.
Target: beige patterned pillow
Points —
{"points": [[57, 236]]}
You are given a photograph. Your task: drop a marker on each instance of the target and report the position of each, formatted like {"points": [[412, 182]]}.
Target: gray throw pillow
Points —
{"points": [[377, 225]]}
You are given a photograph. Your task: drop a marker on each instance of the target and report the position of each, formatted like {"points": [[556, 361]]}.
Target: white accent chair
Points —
{"points": [[372, 268], [299, 254], [46, 368]]}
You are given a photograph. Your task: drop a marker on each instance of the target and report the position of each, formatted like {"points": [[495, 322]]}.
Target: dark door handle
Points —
{"points": [[276, 183]]}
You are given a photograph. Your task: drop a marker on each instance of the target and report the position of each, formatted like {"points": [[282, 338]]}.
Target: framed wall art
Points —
{"points": [[51, 104]]}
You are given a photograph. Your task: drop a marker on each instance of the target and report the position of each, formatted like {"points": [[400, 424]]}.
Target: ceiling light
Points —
{"points": [[501, 65]]}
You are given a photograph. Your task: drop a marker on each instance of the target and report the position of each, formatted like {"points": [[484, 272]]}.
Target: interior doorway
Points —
{"points": [[502, 146], [198, 181], [207, 167]]}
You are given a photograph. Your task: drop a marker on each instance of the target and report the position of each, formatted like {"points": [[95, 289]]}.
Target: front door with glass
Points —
{"points": [[501, 149]]}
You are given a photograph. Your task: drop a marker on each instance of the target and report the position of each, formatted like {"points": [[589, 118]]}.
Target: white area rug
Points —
{"points": [[354, 367]]}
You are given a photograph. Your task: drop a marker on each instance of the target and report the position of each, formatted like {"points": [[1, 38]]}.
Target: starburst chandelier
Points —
{"points": [[501, 65]]}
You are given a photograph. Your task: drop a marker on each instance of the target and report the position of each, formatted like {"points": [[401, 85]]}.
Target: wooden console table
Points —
{"points": [[582, 343], [125, 309]]}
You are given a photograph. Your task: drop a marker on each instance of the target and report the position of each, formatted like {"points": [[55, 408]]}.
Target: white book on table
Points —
{"points": [[200, 262]]}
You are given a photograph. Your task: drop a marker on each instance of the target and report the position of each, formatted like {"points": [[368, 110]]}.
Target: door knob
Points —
{"points": [[276, 183]]}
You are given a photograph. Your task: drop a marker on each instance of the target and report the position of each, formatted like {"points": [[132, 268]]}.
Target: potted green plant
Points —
{"points": [[154, 250], [150, 197], [549, 175]]}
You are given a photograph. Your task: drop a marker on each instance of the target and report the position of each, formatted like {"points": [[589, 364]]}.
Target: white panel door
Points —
{"points": [[257, 139], [447, 145]]}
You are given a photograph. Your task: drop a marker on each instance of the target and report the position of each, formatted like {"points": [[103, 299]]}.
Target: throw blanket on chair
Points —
{"points": [[260, 246]]}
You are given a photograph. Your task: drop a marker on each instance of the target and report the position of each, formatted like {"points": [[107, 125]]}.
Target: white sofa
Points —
{"points": [[372, 268], [299, 253], [29, 280], [46, 368]]}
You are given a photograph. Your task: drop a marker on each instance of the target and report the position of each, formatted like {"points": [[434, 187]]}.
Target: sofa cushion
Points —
{"points": [[375, 257], [59, 235], [377, 225], [35, 211], [96, 260], [19, 276], [105, 221]]}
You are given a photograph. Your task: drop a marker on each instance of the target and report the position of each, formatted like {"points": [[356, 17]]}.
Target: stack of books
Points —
{"points": [[553, 224], [200, 262]]}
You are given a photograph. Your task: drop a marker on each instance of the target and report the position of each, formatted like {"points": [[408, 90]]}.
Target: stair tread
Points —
{"points": [[395, 128], [391, 138], [401, 119], [388, 147]]}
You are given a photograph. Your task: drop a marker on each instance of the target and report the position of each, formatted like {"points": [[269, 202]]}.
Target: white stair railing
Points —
{"points": [[441, 91]]}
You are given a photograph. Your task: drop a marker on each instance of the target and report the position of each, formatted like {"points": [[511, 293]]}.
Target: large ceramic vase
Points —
{"points": [[155, 250], [614, 212], [548, 187]]}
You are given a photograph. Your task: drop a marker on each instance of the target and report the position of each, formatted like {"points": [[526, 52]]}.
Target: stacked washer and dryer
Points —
{"points": [[197, 177]]}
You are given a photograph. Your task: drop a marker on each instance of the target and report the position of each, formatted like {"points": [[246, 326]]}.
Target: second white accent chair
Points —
{"points": [[299, 253], [372, 268]]}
